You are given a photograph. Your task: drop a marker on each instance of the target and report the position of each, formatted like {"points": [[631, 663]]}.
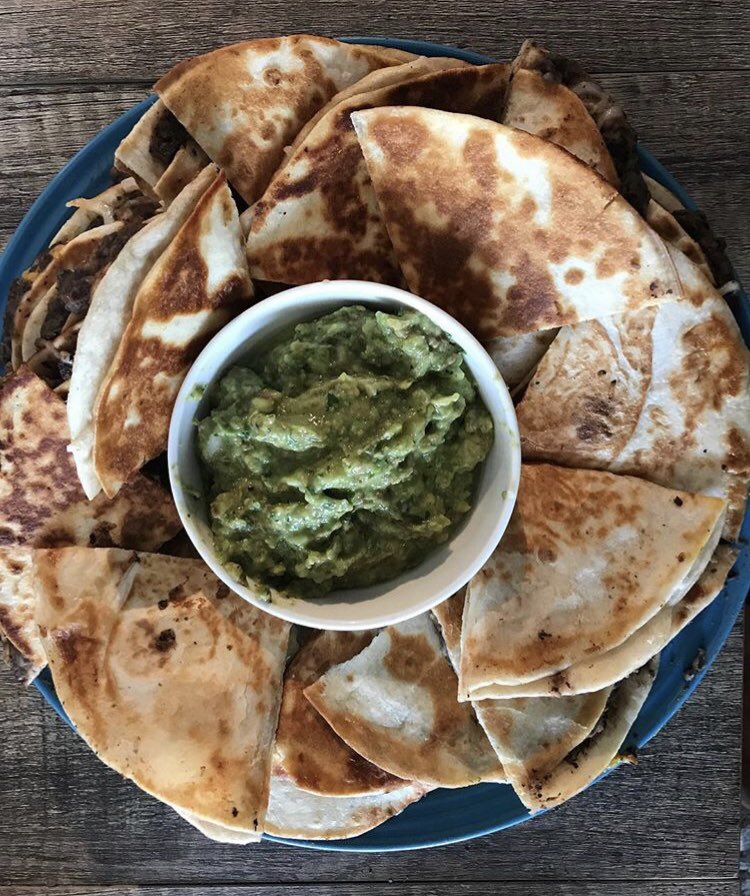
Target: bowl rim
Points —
{"points": [[342, 292]]}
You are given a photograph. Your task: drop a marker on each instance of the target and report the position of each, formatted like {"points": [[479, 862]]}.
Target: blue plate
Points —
{"points": [[445, 816]]}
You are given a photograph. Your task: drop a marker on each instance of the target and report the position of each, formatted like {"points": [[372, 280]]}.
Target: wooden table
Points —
{"points": [[668, 827]]}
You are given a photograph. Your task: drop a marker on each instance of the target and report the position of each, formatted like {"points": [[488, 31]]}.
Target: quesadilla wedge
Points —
{"points": [[308, 750], [528, 238], [587, 559], [108, 315], [664, 394], [592, 757], [301, 815], [198, 284], [608, 115], [244, 103], [319, 217], [187, 164], [543, 731], [79, 252], [42, 504], [395, 704], [218, 832], [668, 228], [172, 679], [553, 112], [644, 644], [17, 608]]}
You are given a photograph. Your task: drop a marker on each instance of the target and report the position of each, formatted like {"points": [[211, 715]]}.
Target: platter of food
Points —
{"points": [[478, 292]]}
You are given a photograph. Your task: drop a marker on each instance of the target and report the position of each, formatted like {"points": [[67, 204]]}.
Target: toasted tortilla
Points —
{"points": [[516, 357], [244, 103], [553, 112], [319, 217], [72, 257], [107, 318], [595, 754], [527, 239], [542, 731], [664, 394], [218, 832], [395, 703], [17, 608], [666, 225], [42, 504], [644, 644], [173, 680], [587, 559], [308, 750], [198, 284], [608, 115], [187, 164], [301, 815], [41, 500]]}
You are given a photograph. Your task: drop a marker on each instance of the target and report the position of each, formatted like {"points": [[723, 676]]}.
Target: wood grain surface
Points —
{"points": [[667, 827]]}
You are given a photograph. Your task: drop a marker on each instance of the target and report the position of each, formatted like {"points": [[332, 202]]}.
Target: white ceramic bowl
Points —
{"points": [[450, 565]]}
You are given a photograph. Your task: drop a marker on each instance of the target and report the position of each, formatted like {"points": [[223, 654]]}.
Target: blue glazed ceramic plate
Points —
{"points": [[444, 816]]}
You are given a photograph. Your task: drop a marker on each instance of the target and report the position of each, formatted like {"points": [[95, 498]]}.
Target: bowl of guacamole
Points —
{"points": [[344, 455]]}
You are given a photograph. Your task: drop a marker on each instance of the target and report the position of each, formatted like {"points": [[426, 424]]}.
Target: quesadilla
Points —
{"points": [[42, 505], [172, 679], [308, 750], [543, 731], [218, 832], [608, 115], [668, 228], [664, 394], [553, 112], [244, 103], [108, 315], [395, 703], [301, 815], [527, 239], [319, 217], [587, 559], [644, 644], [17, 608], [197, 285], [79, 255], [694, 223], [542, 782]]}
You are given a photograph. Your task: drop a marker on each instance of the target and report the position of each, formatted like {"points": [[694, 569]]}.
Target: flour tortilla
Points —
{"points": [[42, 504], [553, 112], [395, 704], [108, 315], [172, 680], [244, 103], [645, 643], [664, 394], [72, 256], [587, 559], [542, 731], [17, 607], [133, 155], [197, 285], [41, 500], [300, 815], [217, 832], [309, 751], [187, 164], [516, 357], [668, 228], [597, 753], [527, 239], [319, 217]]}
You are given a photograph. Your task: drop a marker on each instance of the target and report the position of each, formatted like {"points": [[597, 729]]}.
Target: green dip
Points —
{"points": [[344, 454]]}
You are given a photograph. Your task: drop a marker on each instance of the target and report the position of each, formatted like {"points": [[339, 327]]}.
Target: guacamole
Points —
{"points": [[344, 454]]}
